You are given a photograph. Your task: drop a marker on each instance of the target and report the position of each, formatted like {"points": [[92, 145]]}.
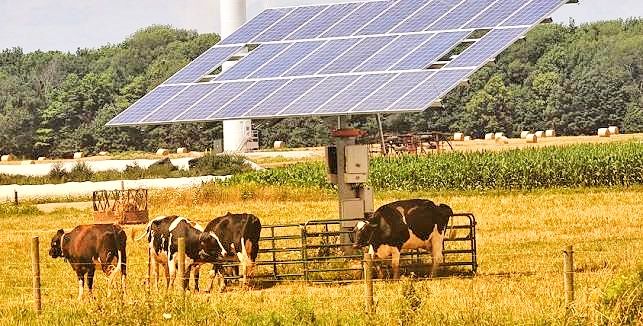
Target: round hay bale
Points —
{"points": [[27, 162], [540, 134], [498, 135], [489, 136], [162, 152], [182, 150], [78, 155], [614, 130], [7, 158], [42, 158], [532, 139], [523, 134], [467, 138], [103, 153], [604, 132], [278, 144], [550, 133], [502, 140], [458, 136]]}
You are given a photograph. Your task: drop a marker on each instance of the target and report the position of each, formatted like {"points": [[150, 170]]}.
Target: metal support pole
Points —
{"points": [[368, 283], [181, 253], [304, 251], [379, 123], [35, 254], [568, 267]]}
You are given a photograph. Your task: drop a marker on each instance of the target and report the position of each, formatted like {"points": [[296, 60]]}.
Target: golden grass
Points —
{"points": [[520, 237]]}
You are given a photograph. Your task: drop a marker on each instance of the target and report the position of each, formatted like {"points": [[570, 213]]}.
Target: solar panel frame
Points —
{"points": [[354, 93], [148, 103], [356, 55], [315, 97], [394, 52], [382, 98], [431, 50], [488, 47], [525, 15], [392, 17], [321, 57], [323, 22], [283, 97], [195, 70], [209, 104], [495, 14], [282, 62], [249, 98], [245, 68], [292, 21], [256, 26], [346, 27], [426, 16], [167, 111], [461, 15], [432, 89]]}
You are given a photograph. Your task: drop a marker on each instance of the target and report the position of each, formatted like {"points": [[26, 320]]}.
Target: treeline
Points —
{"points": [[573, 79]]}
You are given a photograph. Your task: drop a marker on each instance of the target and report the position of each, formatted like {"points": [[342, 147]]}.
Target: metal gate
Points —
{"points": [[313, 251]]}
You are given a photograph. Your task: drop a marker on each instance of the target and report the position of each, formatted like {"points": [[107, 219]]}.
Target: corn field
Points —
{"points": [[587, 165]]}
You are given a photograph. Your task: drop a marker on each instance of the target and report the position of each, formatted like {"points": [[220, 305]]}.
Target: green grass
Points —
{"points": [[520, 237], [587, 165]]}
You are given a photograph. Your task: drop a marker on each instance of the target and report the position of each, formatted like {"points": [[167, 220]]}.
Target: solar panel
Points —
{"points": [[205, 63], [350, 58]]}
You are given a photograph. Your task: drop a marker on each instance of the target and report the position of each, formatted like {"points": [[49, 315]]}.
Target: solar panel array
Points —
{"points": [[350, 58]]}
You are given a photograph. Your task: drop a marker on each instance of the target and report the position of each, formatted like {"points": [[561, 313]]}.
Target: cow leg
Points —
{"points": [[436, 250], [395, 262], [166, 270], [172, 272], [90, 281], [81, 283], [197, 269]]}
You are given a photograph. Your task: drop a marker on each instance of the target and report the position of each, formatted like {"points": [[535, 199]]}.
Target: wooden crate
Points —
{"points": [[121, 206]]}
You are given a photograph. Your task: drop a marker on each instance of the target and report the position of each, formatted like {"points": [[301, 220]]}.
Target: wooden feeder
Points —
{"points": [[121, 206]]}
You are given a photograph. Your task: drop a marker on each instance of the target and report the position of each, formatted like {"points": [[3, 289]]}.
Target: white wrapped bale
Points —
{"points": [[523, 134], [279, 144], [489, 136], [7, 158], [531, 139], [182, 150], [42, 158], [467, 138], [614, 130], [499, 135], [103, 153], [162, 152], [604, 132], [550, 133], [540, 134], [458, 136], [78, 155]]}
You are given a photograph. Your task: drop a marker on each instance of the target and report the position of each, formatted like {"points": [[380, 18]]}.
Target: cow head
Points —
{"points": [[56, 249], [211, 247], [363, 234]]}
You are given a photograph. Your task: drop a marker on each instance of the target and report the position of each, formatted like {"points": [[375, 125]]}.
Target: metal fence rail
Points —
{"points": [[313, 251]]}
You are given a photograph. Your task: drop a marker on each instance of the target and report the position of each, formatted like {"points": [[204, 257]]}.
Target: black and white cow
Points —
{"points": [[407, 224], [91, 247], [163, 233], [238, 234]]}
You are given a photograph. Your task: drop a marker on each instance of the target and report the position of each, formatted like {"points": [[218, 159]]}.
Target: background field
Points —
{"points": [[520, 238]]}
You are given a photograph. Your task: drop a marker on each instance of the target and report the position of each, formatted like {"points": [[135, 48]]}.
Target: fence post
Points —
{"points": [[35, 254], [149, 269], [181, 254], [568, 270], [368, 283], [15, 197], [304, 251]]}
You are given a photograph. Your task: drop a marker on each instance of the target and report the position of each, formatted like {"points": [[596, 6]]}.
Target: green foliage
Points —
{"points": [[622, 301], [10, 209], [616, 164], [212, 164]]}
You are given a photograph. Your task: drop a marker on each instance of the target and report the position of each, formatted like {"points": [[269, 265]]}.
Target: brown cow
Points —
{"points": [[88, 247]]}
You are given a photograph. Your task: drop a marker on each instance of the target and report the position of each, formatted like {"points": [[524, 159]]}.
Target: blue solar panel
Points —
{"points": [[460, 15], [285, 60], [395, 89], [355, 93], [323, 21], [393, 52], [318, 95], [430, 51], [421, 97], [180, 103], [358, 18], [487, 47], [425, 16], [321, 57], [251, 97], [147, 104], [213, 102], [357, 54], [253, 61], [204, 64], [283, 97], [289, 24], [533, 13], [393, 16], [256, 26], [496, 13]]}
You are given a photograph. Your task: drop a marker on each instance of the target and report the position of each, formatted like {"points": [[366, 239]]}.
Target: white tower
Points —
{"points": [[235, 132]]}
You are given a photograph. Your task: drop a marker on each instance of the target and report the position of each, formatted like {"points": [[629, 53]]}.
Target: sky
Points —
{"points": [[67, 25]]}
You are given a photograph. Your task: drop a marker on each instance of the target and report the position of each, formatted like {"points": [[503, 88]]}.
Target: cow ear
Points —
{"points": [[60, 232]]}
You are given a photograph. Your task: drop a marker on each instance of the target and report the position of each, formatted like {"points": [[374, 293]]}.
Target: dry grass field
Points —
{"points": [[520, 238]]}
